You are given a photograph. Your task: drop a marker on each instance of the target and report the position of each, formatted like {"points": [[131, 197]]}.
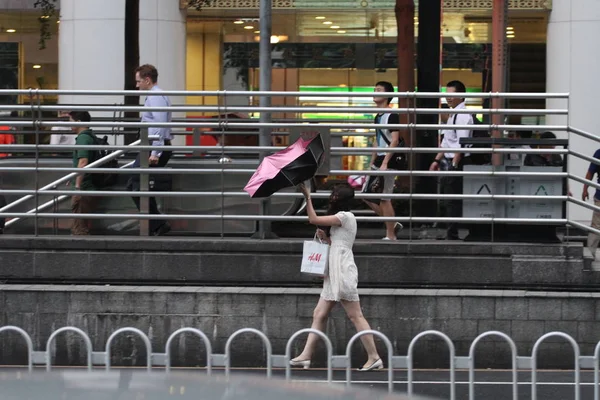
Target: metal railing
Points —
{"points": [[220, 126], [159, 360]]}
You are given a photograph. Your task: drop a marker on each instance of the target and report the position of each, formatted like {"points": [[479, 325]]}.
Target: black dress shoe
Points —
{"points": [[162, 230]]}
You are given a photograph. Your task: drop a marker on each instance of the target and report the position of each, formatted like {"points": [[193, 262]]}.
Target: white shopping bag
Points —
{"points": [[315, 258]]}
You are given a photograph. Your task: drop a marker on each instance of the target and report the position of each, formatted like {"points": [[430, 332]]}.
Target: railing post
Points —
{"points": [[86, 340], [410, 360], [513, 356], [36, 116], [265, 341], [576, 354], [28, 342], [499, 18], [264, 227], [144, 179]]}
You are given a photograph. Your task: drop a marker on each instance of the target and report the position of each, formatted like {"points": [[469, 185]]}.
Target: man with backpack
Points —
{"points": [[453, 160], [83, 182], [384, 161]]}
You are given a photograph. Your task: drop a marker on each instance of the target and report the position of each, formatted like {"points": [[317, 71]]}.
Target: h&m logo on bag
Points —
{"points": [[315, 257]]}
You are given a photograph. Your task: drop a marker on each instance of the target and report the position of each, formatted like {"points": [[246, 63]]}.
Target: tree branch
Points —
{"points": [[50, 14]]}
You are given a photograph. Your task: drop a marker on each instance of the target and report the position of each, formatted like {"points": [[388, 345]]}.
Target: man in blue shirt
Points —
{"points": [[146, 78], [593, 239]]}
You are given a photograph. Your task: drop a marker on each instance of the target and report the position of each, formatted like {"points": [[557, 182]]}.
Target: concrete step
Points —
{"points": [[277, 262]]}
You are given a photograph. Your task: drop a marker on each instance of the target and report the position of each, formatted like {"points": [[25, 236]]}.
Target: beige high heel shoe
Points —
{"points": [[300, 363], [376, 365]]}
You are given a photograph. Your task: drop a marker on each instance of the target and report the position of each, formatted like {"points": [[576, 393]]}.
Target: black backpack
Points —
{"points": [[102, 180], [480, 158]]}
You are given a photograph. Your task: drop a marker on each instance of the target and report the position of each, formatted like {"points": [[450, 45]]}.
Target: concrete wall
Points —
{"points": [[571, 68], [400, 314]]}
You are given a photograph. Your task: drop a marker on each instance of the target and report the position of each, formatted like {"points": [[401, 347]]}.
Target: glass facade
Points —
{"points": [[346, 47]]}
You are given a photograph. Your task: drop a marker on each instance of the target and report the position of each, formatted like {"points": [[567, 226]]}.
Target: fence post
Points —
{"points": [[86, 339], [596, 372], [288, 352], [534, 362], [144, 182], [410, 360], [196, 332], [28, 342], [137, 332], [513, 354], [261, 335], [390, 354]]}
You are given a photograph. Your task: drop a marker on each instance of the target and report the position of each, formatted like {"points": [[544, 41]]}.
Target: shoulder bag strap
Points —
{"points": [[384, 120]]}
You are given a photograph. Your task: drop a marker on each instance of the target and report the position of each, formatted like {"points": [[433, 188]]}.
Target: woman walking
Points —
{"points": [[341, 284]]}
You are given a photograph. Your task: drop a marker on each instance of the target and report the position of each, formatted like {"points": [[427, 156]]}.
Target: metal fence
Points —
{"points": [[281, 127], [393, 362]]}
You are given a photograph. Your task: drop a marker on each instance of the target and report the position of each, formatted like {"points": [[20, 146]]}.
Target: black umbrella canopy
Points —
{"points": [[297, 171]]}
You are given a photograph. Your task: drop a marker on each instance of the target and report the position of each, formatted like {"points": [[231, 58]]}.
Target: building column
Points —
{"points": [[572, 64], [91, 50], [163, 44], [428, 80]]}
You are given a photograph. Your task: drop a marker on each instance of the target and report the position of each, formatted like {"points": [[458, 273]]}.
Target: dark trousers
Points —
{"points": [[453, 185], [134, 185]]}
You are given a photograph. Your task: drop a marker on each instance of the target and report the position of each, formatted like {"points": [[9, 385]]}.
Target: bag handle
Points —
{"points": [[317, 239]]}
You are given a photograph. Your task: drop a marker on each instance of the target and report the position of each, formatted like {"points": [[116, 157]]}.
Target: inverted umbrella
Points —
{"points": [[288, 167]]}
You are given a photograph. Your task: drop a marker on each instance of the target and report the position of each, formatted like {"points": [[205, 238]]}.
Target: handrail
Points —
{"points": [[197, 123], [206, 217], [259, 149], [333, 172], [66, 178], [296, 195], [584, 227], [584, 157], [585, 134], [234, 93], [224, 123], [64, 196], [297, 109], [584, 181]]}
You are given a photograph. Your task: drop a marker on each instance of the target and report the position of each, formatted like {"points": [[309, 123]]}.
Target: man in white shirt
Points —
{"points": [[146, 78], [453, 161], [62, 135]]}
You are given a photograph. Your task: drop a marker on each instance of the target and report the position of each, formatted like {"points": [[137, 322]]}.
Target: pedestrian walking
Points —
{"points": [[146, 78], [83, 182], [62, 135], [593, 239], [341, 283], [452, 159], [385, 161]]}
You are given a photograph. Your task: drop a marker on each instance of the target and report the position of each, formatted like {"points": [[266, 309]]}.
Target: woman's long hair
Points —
{"points": [[341, 199]]}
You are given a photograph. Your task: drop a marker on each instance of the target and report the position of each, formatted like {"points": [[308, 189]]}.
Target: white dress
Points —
{"points": [[342, 280]]}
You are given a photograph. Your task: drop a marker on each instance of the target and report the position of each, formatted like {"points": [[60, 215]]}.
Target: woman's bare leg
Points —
{"points": [[320, 315], [355, 314]]}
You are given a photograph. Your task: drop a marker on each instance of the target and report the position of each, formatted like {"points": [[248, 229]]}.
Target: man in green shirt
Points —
{"points": [[81, 158]]}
